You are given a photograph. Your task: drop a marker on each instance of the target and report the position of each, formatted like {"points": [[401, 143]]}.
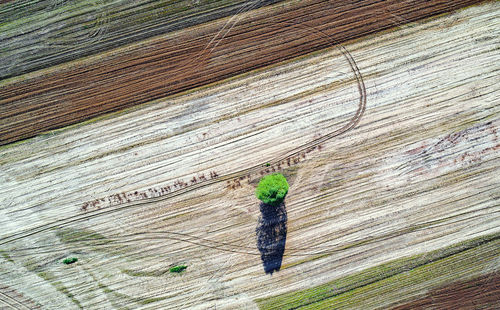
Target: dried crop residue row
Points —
{"points": [[195, 57], [232, 183]]}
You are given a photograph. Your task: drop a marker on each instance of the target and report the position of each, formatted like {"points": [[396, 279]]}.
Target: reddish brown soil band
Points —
{"points": [[480, 293], [191, 59]]}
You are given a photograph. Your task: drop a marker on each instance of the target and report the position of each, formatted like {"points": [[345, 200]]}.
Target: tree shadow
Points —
{"points": [[271, 235]]}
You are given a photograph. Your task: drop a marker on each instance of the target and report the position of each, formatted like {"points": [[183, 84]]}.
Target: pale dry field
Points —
{"points": [[417, 170]]}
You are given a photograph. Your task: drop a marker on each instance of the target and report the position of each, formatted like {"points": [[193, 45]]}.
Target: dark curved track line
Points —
{"points": [[12, 302], [326, 250]]}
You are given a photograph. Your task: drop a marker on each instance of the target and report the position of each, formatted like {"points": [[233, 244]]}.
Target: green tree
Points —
{"points": [[272, 189]]}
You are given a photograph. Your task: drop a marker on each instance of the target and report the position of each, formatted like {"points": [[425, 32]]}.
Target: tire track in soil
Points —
{"points": [[255, 170], [55, 100], [216, 245]]}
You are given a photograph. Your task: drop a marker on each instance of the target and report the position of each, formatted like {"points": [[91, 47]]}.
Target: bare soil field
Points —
{"points": [[181, 60], [479, 293], [389, 142]]}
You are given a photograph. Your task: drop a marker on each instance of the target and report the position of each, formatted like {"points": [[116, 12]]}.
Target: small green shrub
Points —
{"points": [[272, 189], [178, 269], [70, 260]]}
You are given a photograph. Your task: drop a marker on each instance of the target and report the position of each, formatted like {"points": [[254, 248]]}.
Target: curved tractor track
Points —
{"points": [[223, 178], [163, 66]]}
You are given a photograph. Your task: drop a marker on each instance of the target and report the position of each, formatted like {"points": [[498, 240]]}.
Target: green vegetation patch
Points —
{"points": [[69, 235], [49, 277], [140, 273], [83, 240], [70, 260], [151, 300], [178, 269], [272, 189], [6, 256], [392, 281]]}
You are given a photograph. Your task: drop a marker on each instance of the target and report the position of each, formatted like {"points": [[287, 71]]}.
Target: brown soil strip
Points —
{"points": [[479, 293], [192, 58]]}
